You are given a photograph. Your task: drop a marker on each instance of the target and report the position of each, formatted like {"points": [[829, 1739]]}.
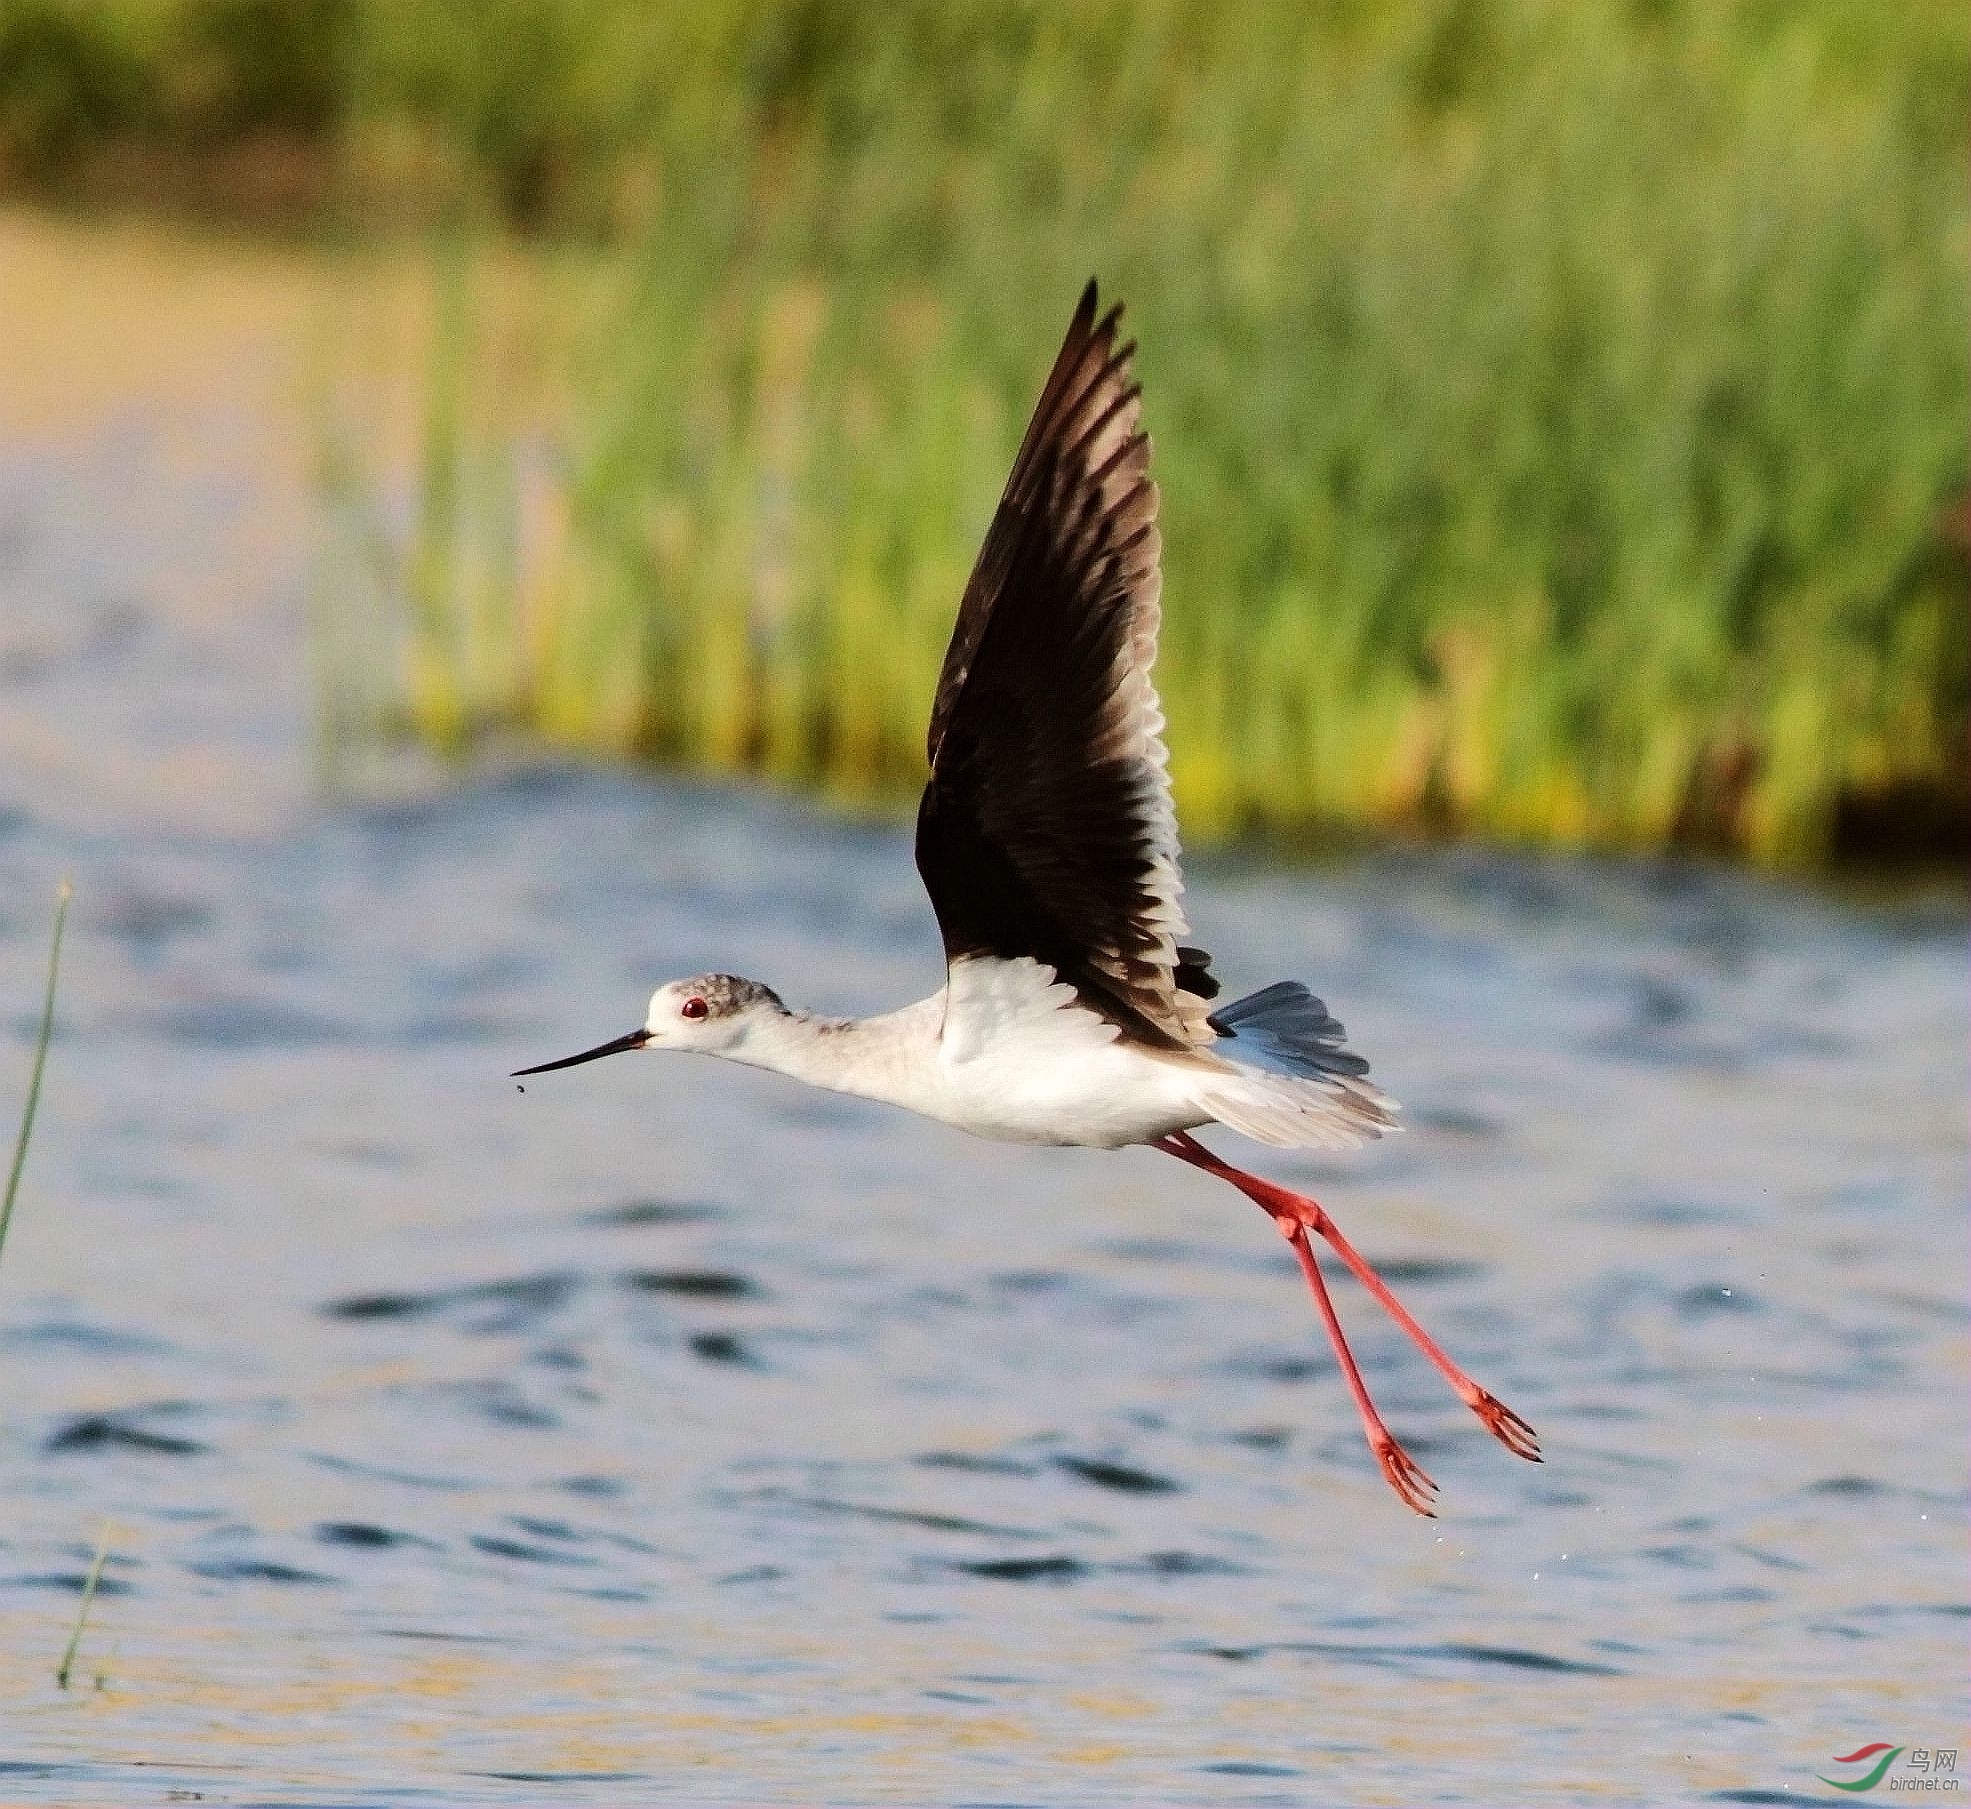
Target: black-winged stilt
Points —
{"points": [[1072, 1010]]}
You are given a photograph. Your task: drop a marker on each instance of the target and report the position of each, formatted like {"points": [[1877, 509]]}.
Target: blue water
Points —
{"points": [[668, 1433]]}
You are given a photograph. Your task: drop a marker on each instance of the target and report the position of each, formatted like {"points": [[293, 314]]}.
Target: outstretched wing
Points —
{"points": [[1046, 830]]}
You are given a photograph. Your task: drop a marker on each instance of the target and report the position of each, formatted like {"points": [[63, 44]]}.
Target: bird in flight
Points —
{"points": [[1074, 1010]]}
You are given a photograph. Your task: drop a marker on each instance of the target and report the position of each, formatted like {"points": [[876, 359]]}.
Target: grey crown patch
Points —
{"points": [[727, 993]]}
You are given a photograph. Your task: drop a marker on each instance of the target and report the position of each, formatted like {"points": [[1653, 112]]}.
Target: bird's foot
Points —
{"points": [[1405, 1475], [1505, 1425]]}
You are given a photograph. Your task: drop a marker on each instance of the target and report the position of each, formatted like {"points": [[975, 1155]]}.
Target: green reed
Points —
{"points": [[41, 1040], [90, 1584], [1559, 409]]}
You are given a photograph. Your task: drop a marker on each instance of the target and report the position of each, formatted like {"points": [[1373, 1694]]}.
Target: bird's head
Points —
{"points": [[709, 1014]]}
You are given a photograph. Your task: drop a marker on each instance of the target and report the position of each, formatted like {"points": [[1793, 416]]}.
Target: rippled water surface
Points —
{"points": [[669, 1432]]}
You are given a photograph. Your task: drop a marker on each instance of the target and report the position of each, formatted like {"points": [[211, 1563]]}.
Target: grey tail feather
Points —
{"points": [[1285, 1029], [1296, 1084]]}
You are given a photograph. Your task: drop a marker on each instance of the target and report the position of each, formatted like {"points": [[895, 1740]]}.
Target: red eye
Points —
{"points": [[693, 1008]]}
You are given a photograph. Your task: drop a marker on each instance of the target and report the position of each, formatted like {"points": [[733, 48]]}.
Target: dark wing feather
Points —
{"points": [[1046, 829]]}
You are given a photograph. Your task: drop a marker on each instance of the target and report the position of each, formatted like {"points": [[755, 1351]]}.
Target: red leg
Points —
{"points": [[1292, 1209], [1406, 1477]]}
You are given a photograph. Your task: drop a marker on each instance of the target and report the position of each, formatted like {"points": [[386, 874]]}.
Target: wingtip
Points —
{"points": [[1086, 309]]}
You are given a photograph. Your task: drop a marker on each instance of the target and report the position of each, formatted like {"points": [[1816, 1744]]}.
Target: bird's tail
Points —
{"points": [[1293, 1083]]}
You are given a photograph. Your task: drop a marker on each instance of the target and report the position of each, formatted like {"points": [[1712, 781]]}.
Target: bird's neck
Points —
{"points": [[886, 1058]]}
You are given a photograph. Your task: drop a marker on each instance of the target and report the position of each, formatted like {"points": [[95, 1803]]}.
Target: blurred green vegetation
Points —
{"points": [[1560, 404]]}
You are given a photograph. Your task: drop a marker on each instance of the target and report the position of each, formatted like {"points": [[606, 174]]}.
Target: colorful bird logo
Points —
{"points": [[1874, 1774]]}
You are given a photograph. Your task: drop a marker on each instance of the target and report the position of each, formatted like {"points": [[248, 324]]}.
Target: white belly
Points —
{"points": [[1022, 1061], [1102, 1104]]}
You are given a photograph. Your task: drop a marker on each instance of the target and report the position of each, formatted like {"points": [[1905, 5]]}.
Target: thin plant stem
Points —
{"points": [[47, 1030], [95, 1577]]}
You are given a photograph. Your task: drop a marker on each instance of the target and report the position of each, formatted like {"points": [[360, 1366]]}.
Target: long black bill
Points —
{"points": [[635, 1040]]}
